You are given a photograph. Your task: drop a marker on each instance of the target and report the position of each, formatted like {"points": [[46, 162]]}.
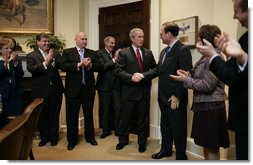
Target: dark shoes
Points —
{"points": [[54, 142], [71, 146], [120, 146], [43, 142], [161, 155], [104, 135], [142, 148], [92, 142]]}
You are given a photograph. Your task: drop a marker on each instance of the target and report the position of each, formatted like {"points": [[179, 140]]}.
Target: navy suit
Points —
{"points": [[173, 122], [11, 89]]}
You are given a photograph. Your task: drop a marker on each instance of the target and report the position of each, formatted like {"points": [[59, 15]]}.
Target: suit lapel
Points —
{"points": [[76, 55], [39, 55], [144, 59], [170, 55], [108, 57]]}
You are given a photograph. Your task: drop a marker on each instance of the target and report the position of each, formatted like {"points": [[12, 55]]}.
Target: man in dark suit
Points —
{"points": [[235, 75], [108, 87], [172, 96], [135, 93], [43, 64], [79, 63]]}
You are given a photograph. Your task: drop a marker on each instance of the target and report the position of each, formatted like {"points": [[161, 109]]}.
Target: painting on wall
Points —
{"points": [[188, 30], [26, 16]]}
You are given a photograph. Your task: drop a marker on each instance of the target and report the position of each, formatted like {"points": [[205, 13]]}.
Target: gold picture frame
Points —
{"points": [[188, 30], [27, 17]]}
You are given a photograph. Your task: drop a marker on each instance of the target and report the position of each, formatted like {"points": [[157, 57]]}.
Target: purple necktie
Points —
{"points": [[83, 70]]}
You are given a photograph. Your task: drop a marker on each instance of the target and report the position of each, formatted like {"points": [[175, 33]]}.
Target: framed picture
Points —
{"points": [[188, 30], [26, 16]]}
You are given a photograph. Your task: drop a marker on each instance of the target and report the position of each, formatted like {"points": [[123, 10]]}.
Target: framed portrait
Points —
{"points": [[188, 30], [26, 16]]}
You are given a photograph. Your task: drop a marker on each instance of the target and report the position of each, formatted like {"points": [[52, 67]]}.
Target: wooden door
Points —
{"points": [[118, 20]]}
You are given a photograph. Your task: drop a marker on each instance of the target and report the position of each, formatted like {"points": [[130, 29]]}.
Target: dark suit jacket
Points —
{"points": [[43, 78], [11, 92], [179, 57], [106, 78], [127, 66], [73, 82], [238, 88]]}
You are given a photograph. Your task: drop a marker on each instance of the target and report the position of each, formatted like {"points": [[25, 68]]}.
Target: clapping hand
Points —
{"points": [[181, 75], [207, 49], [116, 54], [230, 47]]}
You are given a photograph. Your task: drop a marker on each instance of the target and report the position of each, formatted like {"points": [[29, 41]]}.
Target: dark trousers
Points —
{"points": [[117, 108], [141, 109], [105, 110], [72, 115], [109, 109], [49, 116], [241, 146], [174, 129]]}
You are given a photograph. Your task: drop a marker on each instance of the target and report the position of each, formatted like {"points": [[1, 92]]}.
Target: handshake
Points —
{"points": [[137, 77]]}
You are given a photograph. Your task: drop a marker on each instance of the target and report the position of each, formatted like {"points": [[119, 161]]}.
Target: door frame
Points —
{"points": [[155, 46]]}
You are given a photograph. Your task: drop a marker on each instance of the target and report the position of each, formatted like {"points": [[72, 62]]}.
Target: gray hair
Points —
{"points": [[133, 32]]}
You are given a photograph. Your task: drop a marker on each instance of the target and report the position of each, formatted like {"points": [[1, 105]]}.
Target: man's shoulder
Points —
{"points": [[101, 51], [89, 50], [125, 50], [34, 52]]}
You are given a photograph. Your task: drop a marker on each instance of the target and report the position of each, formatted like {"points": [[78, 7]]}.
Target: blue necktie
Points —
{"points": [[83, 70], [166, 53]]}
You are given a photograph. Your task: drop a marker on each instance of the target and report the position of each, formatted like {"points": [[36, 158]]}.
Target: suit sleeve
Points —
{"points": [[66, 64], [32, 66], [120, 69], [227, 71], [184, 63], [206, 84]]}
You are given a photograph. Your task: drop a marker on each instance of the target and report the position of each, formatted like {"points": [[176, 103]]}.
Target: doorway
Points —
{"points": [[118, 20]]}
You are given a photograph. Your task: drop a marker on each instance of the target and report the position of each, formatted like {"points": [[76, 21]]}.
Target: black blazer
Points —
{"points": [[43, 78], [237, 81], [179, 57], [68, 63], [127, 66], [105, 78]]}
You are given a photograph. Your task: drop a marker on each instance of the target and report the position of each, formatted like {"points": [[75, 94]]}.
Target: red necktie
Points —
{"points": [[139, 58]]}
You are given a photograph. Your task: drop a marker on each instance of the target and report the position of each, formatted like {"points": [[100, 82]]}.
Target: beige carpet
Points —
{"points": [[105, 150]]}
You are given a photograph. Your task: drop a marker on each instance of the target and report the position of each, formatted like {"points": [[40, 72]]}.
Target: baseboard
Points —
{"points": [[194, 149]]}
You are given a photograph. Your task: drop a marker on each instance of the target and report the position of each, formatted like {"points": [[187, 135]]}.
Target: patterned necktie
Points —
{"points": [[166, 53], [139, 58], [81, 53]]}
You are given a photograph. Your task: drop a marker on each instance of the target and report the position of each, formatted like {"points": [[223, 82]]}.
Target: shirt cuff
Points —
{"points": [[242, 67], [44, 64], [211, 59]]}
